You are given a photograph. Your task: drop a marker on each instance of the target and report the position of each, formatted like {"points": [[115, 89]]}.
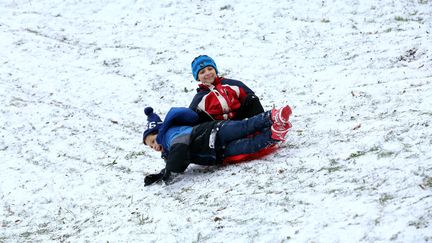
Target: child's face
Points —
{"points": [[150, 141], [207, 75]]}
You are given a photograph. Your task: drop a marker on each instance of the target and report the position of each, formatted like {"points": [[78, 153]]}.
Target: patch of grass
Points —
{"points": [[420, 223], [114, 162], [186, 90], [401, 19], [377, 221], [325, 21], [394, 237], [125, 169], [385, 154], [26, 234], [143, 220], [333, 162], [356, 154], [42, 229], [301, 202], [331, 169], [226, 7], [199, 237], [428, 182], [334, 191], [385, 198], [360, 188], [134, 155]]}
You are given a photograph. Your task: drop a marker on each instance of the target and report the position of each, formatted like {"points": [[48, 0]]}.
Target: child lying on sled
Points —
{"points": [[182, 141]]}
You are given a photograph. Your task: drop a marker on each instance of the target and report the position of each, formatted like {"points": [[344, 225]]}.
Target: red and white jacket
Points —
{"points": [[222, 99]]}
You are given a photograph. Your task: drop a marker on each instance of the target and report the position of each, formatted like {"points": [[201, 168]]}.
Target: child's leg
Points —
{"points": [[232, 130], [249, 145]]}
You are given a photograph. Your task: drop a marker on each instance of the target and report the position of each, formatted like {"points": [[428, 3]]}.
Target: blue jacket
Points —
{"points": [[178, 122], [184, 143]]}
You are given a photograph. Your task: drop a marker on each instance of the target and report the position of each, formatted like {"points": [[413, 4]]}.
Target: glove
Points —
{"points": [[152, 178]]}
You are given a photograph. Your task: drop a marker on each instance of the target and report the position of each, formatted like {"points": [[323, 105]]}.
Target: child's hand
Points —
{"points": [[152, 178]]}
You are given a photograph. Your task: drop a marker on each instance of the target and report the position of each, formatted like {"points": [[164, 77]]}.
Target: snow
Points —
{"points": [[75, 76]]}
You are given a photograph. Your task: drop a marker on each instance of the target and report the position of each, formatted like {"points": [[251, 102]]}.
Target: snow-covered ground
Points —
{"points": [[75, 76]]}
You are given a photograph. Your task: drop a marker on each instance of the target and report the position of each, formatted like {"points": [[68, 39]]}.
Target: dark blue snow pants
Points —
{"points": [[246, 136]]}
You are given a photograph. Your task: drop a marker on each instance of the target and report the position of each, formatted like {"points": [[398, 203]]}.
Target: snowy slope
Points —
{"points": [[75, 76]]}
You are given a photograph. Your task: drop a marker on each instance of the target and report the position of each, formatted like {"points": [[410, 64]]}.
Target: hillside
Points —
{"points": [[75, 77]]}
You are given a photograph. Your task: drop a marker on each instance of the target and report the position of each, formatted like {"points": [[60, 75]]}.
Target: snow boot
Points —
{"points": [[281, 116], [278, 132]]}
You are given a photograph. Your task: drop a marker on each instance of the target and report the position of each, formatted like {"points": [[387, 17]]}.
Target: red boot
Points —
{"points": [[278, 132], [281, 116]]}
